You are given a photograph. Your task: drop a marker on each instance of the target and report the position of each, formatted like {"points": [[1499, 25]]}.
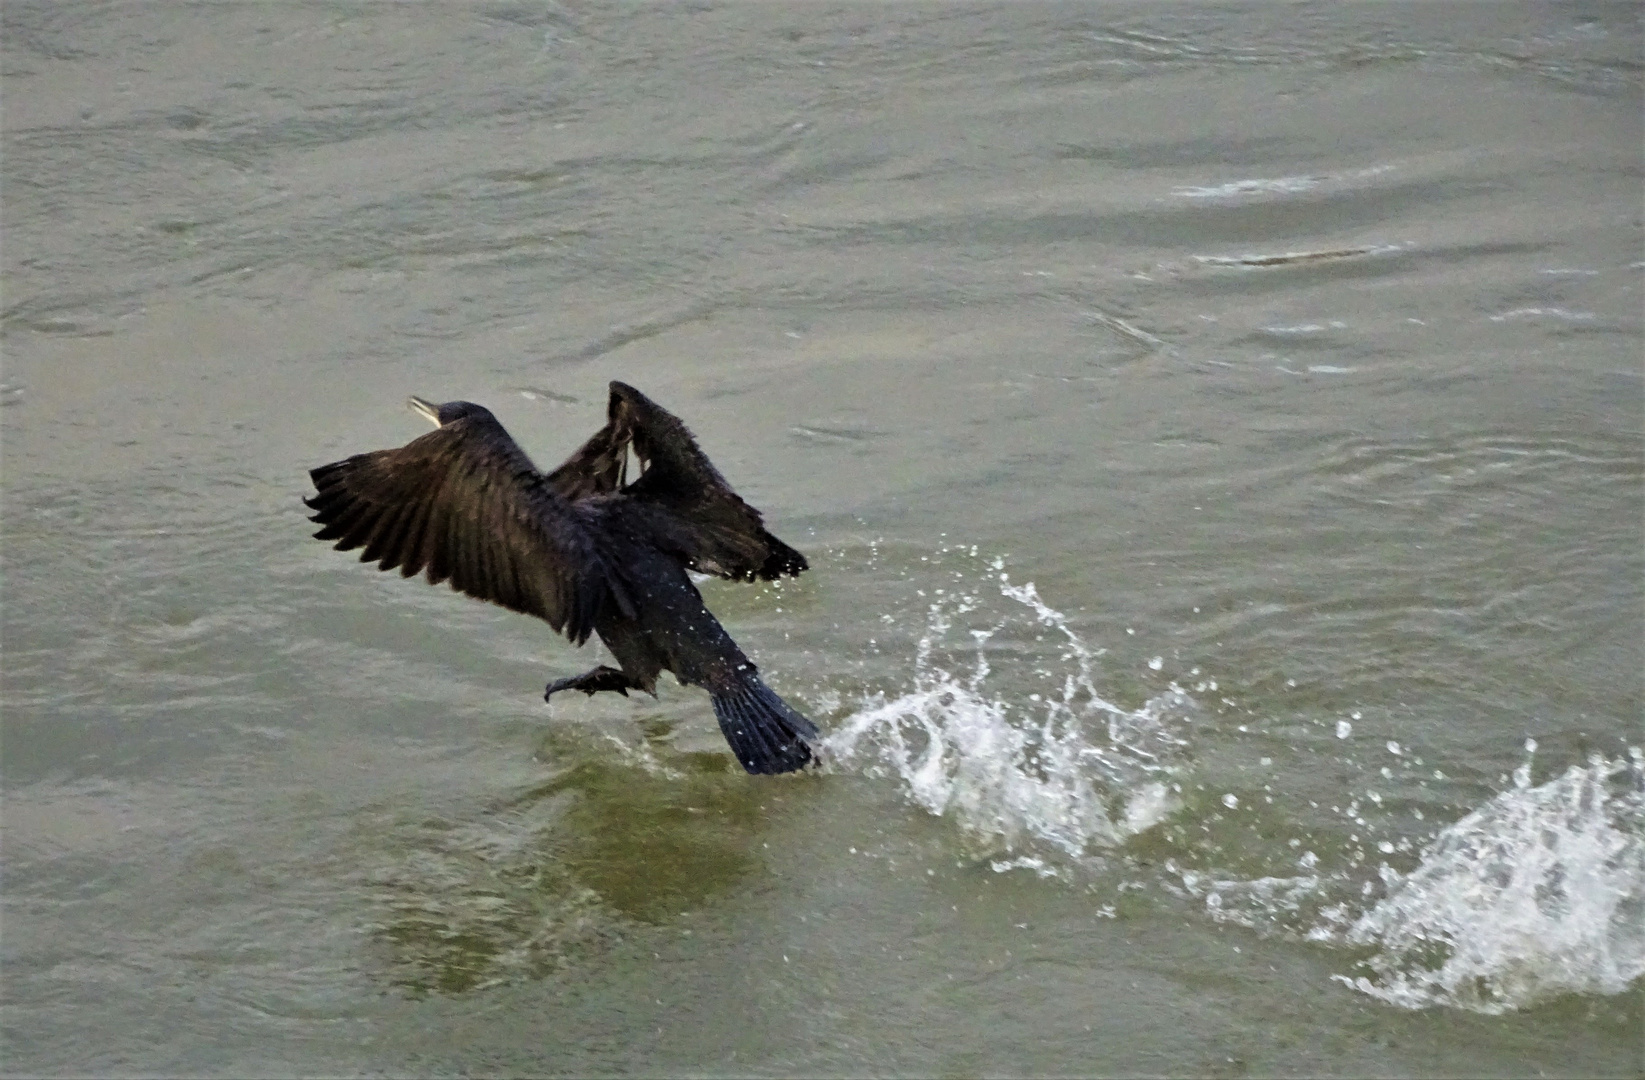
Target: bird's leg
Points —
{"points": [[592, 682]]}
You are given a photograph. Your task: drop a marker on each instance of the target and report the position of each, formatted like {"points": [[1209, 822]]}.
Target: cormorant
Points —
{"points": [[581, 548]]}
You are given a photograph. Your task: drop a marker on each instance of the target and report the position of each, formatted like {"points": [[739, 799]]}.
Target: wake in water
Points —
{"points": [[1539, 892], [1065, 772]]}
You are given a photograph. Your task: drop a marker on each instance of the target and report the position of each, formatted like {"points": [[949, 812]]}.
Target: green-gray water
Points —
{"points": [[1216, 431]]}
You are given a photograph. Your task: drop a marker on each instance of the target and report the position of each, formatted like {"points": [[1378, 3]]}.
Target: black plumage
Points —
{"points": [[581, 548]]}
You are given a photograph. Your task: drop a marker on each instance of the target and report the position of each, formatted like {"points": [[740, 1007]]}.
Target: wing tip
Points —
{"points": [[780, 560]]}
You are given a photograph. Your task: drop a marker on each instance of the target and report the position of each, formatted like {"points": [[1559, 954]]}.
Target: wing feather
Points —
{"points": [[681, 501], [464, 504], [386, 534], [412, 544], [438, 545]]}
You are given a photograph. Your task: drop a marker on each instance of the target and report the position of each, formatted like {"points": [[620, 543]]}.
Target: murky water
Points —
{"points": [[1217, 435]]}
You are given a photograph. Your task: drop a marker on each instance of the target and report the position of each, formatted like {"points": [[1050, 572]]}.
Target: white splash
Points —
{"points": [[1068, 769], [1539, 892], [1264, 905]]}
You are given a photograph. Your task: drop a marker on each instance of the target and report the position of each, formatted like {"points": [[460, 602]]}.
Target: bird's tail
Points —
{"points": [[765, 732]]}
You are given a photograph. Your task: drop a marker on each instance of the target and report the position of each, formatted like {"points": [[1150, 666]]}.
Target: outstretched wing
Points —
{"points": [[687, 503], [465, 503]]}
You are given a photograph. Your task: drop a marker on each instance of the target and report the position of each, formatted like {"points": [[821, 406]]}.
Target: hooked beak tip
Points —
{"points": [[426, 409]]}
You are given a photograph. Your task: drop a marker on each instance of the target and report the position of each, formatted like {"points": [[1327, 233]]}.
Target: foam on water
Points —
{"points": [[1065, 772], [1539, 892]]}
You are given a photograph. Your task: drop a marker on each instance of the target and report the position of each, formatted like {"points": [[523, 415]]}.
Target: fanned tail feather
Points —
{"points": [[767, 735]]}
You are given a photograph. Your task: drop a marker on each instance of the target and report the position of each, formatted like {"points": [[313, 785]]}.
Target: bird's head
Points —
{"points": [[448, 413]]}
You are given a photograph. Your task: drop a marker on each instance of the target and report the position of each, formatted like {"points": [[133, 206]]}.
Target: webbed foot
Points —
{"points": [[592, 682]]}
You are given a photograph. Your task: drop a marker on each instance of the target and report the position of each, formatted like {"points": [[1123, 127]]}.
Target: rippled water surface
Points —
{"points": [[1216, 433]]}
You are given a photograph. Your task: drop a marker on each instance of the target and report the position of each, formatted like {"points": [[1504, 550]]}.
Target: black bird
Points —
{"points": [[581, 548]]}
